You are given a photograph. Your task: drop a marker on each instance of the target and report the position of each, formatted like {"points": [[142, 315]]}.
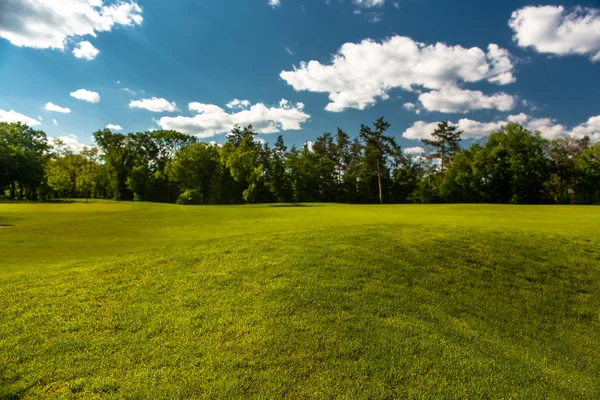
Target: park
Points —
{"points": [[139, 300]]}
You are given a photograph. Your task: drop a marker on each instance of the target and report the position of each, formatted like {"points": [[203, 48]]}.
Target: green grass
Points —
{"points": [[132, 300]]}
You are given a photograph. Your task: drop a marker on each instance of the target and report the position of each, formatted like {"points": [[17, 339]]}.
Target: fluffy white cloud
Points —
{"points": [[369, 3], [472, 129], [274, 3], [414, 150], [86, 95], [47, 24], [591, 127], [519, 118], [114, 127], [456, 100], [409, 106], [53, 107], [551, 30], [547, 127], [361, 73], [211, 120], [71, 142], [13, 116], [85, 50], [154, 104], [235, 103], [200, 108]]}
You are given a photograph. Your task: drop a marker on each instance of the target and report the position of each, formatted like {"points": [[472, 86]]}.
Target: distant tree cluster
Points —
{"points": [[514, 165]]}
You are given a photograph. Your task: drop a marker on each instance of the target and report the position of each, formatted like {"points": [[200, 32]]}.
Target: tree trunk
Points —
{"points": [[442, 166], [379, 183]]}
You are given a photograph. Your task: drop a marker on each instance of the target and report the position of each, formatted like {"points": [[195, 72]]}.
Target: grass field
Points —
{"points": [[134, 300]]}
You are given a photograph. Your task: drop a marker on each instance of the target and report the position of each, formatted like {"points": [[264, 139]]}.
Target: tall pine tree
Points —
{"points": [[445, 143], [377, 148]]}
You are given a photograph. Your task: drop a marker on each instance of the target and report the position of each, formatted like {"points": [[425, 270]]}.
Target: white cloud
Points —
{"points": [[519, 118], [548, 128], [288, 50], [53, 107], [12, 116], [44, 24], [369, 3], [590, 128], [235, 103], [211, 120], [71, 142], [414, 150], [86, 95], [114, 127], [455, 100], [154, 104], [472, 129], [409, 106], [361, 73], [55, 122], [275, 3], [551, 30], [85, 50], [200, 108]]}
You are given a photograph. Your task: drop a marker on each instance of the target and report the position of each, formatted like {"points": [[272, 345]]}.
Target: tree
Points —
{"points": [[197, 168], [563, 153], [517, 169], [445, 142], [23, 154], [120, 154], [241, 155], [588, 169], [377, 147], [277, 177]]}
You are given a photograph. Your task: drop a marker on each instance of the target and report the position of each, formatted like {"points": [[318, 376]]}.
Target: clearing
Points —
{"points": [[137, 300]]}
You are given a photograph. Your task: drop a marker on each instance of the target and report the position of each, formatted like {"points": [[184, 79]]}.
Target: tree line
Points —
{"points": [[514, 165]]}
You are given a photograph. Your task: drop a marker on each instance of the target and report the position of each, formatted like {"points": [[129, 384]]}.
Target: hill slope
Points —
{"points": [[299, 302]]}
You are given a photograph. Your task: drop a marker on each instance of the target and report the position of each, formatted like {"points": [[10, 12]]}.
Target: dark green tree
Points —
{"points": [[445, 143], [377, 148]]}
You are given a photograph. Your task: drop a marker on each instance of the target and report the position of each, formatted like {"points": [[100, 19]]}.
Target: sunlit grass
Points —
{"points": [[299, 302]]}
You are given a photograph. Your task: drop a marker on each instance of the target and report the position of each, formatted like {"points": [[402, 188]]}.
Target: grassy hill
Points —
{"points": [[134, 300]]}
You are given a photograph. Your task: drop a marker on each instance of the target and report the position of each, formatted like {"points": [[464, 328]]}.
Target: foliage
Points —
{"points": [[445, 142], [514, 165]]}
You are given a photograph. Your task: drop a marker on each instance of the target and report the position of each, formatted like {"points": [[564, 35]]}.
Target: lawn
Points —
{"points": [[135, 300]]}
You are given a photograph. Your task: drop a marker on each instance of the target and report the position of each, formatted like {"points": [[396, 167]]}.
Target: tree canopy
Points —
{"points": [[514, 165]]}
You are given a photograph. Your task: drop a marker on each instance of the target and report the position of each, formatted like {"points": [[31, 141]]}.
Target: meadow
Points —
{"points": [[323, 301]]}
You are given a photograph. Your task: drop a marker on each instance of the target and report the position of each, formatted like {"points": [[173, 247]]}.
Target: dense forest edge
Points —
{"points": [[514, 165]]}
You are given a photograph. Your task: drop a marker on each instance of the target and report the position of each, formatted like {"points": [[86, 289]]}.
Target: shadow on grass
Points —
{"points": [[289, 205], [9, 390], [58, 201]]}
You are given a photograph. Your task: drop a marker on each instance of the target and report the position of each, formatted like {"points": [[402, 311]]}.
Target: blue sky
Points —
{"points": [[428, 60]]}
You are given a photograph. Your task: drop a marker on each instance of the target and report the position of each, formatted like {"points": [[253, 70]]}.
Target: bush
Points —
{"points": [[190, 196]]}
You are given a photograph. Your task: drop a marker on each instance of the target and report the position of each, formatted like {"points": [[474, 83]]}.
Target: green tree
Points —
{"points": [[277, 176], [588, 168], [517, 168], [377, 148], [445, 143], [241, 155], [563, 153], [198, 168], [22, 160]]}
